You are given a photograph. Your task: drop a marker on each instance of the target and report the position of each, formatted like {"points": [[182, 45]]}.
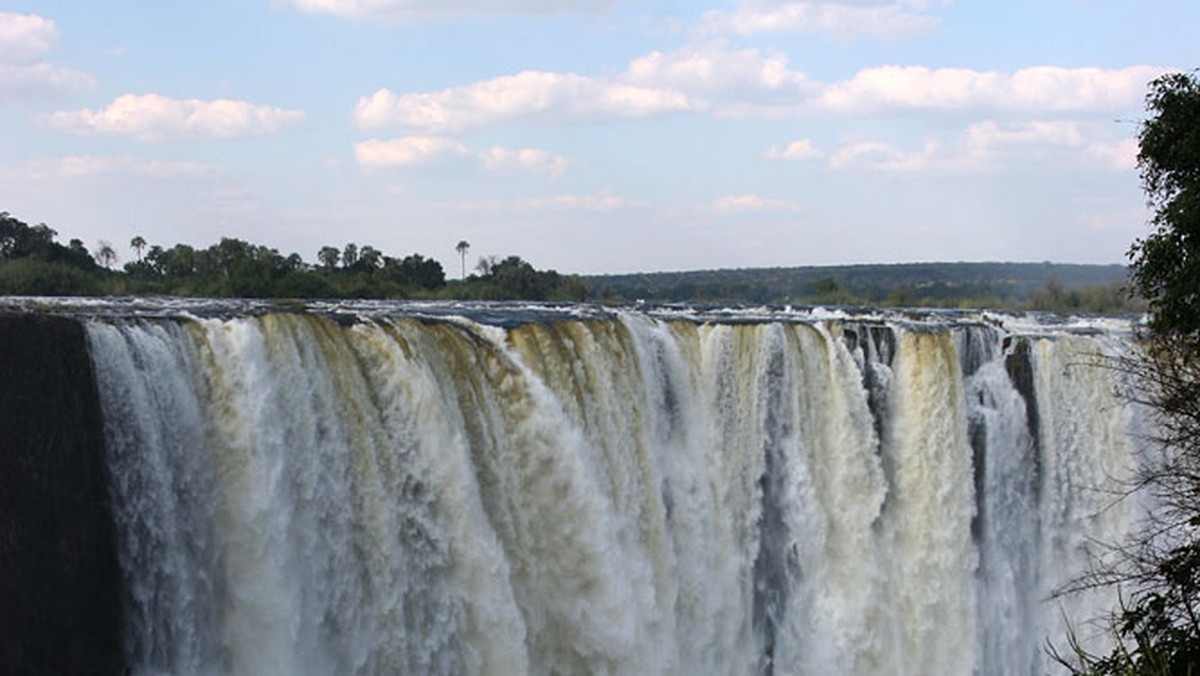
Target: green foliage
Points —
{"points": [[513, 278], [236, 268], [1004, 286], [414, 271], [1166, 263], [329, 257], [34, 277], [19, 240], [1106, 298], [1158, 631], [32, 263]]}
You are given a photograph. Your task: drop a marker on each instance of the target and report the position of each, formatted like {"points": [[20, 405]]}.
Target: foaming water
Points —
{"points": [[453, 491]]}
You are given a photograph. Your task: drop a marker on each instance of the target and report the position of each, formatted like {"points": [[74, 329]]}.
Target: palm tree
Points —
{"points": [[105, 254], [137, 244], [329, 257], [462, 247]]}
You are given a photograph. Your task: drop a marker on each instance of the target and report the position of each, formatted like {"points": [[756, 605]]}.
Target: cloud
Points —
{"points": [[530, 93], [410, 151], [842, 19], [987, 140], [411, 10], [796, 150], [989, 145], [22, 83], [601, 201], [716, 80], [657, 83], [1121, 155], [716, 71], [80, 166], [879, 156], [24, 39], [1040, 88], [153, 117], [751, 204], [604, 200], [407, 151], [500, 160]]}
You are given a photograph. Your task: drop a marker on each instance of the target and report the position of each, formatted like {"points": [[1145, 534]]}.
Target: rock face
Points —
{"points": [[59, 578]]}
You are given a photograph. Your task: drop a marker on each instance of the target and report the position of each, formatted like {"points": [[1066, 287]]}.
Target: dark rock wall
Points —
{"points": [[59, 578]]}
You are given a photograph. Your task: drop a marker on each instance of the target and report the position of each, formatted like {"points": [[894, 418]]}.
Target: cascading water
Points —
{"points": [[612, 493]]}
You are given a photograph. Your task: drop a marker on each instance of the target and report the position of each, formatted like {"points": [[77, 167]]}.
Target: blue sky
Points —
{"points": [[590, 136]]}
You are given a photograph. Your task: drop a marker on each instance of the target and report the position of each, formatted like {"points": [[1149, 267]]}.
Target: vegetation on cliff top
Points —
{"points": [[33, 263]]}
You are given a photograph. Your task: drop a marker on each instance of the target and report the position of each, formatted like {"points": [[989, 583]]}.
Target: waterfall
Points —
{"points": [[614, 493]]}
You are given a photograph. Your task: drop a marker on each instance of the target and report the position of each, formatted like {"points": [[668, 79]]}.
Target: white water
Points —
{"points": [[624, 495]]}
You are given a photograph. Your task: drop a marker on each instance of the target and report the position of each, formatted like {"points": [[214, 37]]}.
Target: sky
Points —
{"points": [[590, 136]]}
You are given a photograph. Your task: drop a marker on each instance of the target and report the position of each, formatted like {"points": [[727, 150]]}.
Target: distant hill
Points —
{"points": [[933, 284]]}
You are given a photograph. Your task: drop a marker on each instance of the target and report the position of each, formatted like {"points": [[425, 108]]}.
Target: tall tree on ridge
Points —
{"points": [[462, 247], [138, 243]]}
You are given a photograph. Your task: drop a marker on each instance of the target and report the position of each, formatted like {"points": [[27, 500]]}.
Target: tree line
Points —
{"points": [[999, 286], [32, 262]]}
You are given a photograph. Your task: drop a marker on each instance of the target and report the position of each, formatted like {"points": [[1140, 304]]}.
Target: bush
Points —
{"points": [[33, 277]]}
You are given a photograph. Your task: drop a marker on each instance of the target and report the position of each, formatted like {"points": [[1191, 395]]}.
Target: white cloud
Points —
{"points": [[80, 166], [751, 204], [407, 151], [714, 70], [878, 156], [989, 145], [408, 10], [1121, 155], [20, 83], [529, 93], [796, 150], [1041, 88], [893, 19], [604, 200], [714, 79], [153, 117], [24, 39], [985, 136], [657, 83], [986, 141], [500, 160]]}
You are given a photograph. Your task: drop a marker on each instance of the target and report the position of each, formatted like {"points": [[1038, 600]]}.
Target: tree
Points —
{"points": [[462, 247], [350, 255], [105, 254], [138, 243], [370, 257], [517, 279], [1166, 264], [329, 257], [415, 270], [1158, 627], [485, 265], [18, 240]]}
